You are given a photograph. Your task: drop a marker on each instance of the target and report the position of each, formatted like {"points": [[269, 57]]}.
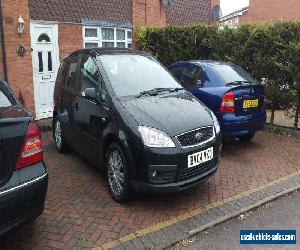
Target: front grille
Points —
{"points": [[196, 137], [190, 173]]}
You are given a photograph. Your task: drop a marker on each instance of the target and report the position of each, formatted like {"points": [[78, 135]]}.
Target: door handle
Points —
{"points": [[76, 106]]}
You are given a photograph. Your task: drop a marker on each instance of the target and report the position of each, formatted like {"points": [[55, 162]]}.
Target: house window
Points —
{"points": [[44, 38], [91, 32], [107, 37]]}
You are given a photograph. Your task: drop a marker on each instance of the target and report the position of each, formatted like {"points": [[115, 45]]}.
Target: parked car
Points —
{"points": [[232, 94], [23, 176], [125, 113]]}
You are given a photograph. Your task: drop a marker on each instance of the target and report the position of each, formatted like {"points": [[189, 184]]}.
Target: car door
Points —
{"points": [[194, 80], [67, 99], [91, 114]]}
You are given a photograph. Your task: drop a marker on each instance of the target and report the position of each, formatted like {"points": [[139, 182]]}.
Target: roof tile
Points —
{"points": [[184, 12], [76, 10]]}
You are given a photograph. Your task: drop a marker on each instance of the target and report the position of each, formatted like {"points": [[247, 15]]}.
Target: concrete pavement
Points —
{"points": [[283, 213]]}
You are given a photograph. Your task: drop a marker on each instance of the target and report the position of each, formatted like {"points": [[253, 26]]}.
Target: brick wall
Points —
{"points": [[147, 12], [261, 11], [1, 59], [19, 68], [69, 39]]}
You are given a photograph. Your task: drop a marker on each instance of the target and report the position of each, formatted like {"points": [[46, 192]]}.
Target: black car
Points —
{"points": [[23, 176], [124, 112]]}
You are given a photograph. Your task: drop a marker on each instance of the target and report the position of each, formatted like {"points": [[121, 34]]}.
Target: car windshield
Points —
{"points": [[6, 98], [232, 73], [132, 74]]}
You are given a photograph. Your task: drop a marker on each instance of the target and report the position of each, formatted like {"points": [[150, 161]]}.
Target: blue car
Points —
{"points": [[230, 92]]}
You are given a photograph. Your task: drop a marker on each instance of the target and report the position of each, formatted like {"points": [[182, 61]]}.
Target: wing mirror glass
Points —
{"points": [[89, 93]]}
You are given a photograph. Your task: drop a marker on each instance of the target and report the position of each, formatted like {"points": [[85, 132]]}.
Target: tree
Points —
{"points": [[294, 70], [277, 97]]}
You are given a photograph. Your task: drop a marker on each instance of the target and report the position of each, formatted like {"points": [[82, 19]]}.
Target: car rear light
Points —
{"points": [[227, 105], [31, 151]]}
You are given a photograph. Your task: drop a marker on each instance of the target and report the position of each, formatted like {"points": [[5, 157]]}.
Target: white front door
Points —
{"points": [[44, 41]]}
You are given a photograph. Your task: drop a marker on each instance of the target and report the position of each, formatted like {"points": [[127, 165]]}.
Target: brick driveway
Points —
{"points": [[80, 213]]}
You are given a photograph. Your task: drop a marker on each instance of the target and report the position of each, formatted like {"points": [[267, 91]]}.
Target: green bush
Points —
{"points": [[269, 51]]}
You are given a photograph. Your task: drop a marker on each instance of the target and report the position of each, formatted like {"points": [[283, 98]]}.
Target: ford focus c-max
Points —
{"points": [[125, 113]]}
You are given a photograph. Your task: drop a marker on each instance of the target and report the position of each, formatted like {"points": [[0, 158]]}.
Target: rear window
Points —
{"points": [[222, 74], [6, 97]]}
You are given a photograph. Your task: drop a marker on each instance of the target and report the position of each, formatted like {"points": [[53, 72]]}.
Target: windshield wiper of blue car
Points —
{"points": [[156, 91], [237, 83]]}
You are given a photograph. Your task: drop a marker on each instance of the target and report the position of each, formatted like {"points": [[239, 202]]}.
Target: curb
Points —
{"points": [[174, 230], [244, 210]]}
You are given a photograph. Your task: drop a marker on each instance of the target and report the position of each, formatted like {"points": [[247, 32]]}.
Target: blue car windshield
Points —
{"points": [[132, 74], [228, 73]]}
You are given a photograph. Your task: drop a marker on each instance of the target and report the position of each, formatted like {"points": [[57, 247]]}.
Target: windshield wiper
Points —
{"points": [[238, 83], [176, 89], [155, 91]]}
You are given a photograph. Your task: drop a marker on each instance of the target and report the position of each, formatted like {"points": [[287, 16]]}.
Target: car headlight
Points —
{"points": [[216, 123], [155, 138]]}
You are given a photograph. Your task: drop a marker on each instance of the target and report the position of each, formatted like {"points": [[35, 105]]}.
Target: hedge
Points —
{"points": [[264, 51]]}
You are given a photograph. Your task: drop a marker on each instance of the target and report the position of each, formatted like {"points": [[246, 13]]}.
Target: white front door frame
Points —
{"points": [[36, 28]]}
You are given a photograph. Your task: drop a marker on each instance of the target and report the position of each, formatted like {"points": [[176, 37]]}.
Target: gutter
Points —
{"points": [[3, 43]]}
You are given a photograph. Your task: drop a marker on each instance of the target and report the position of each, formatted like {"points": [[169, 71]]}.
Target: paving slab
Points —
{"points": [[79, 211]]}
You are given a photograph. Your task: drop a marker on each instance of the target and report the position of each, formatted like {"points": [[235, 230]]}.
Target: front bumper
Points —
{"points": [[171, 166], [172, 187], [23, 197]]}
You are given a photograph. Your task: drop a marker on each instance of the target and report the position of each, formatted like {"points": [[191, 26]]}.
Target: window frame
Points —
{"points": [[99, 39]]}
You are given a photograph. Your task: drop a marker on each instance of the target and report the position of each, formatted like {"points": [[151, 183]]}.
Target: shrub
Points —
{"points": [[270, 51]]}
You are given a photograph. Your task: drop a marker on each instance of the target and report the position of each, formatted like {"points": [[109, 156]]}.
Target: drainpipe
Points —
{"points": [[3, 43]]}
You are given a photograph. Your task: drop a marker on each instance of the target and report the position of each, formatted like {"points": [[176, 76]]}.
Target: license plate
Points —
{"points": [[200, 157], [250, 104]]}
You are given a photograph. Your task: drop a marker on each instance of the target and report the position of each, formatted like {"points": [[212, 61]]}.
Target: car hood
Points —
{"points": [[172, 113]]}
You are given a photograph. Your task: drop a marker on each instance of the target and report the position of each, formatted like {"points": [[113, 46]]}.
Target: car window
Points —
{"points": [[61, 73], [131, 74], [228, 73], [71, 72], [88, 74], [191, 75], [6, 97], [176, 72]]}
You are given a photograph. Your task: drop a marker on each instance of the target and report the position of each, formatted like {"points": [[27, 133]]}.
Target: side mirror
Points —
{"points": [[199, 84], [89, 93]]}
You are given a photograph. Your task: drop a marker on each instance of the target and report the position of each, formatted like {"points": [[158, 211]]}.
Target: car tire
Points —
{"points": [[247, 137], [58, 136], [117, 174]]}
